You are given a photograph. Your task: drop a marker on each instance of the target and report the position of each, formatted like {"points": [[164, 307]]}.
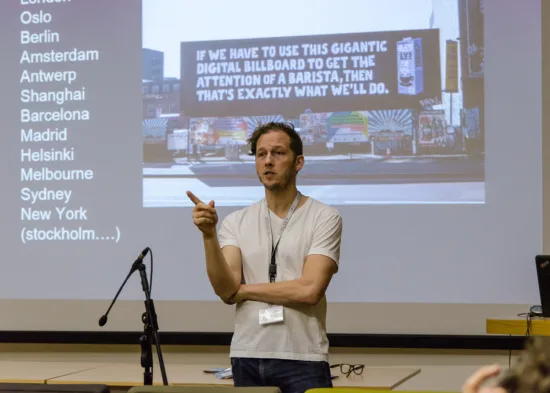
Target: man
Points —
{"points": [[278, 285]]}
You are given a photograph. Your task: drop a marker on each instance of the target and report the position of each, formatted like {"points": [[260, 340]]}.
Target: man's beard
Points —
{"points": [[277, 186]]}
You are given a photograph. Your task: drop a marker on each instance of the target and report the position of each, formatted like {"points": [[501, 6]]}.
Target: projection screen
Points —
{"points": [[421, 123]]}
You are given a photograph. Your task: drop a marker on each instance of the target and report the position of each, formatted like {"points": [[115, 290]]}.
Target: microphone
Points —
{"points": [[139, 260], [103, 320], [135, 266]]}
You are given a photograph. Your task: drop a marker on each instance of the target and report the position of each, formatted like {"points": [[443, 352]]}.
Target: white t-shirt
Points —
{"points": [[314, 228]]}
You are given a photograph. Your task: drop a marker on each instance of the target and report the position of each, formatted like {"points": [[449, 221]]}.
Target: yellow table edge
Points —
{"points": [[518, 326]]}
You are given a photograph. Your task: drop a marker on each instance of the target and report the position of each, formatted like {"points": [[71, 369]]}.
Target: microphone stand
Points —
{"points": [[149, 319], [150, 334]]}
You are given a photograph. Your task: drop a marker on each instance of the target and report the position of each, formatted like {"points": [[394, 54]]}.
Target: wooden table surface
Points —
{"points": [[124, 374], [39, 372]]}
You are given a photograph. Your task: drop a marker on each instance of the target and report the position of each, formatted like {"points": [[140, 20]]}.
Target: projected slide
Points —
{"points": [[112, 110], [382, 113]]}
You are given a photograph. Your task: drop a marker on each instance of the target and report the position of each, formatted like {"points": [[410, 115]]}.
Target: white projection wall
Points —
{"points": [[421, 122]]}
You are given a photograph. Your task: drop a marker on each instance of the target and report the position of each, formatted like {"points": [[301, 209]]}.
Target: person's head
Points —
{"points": [[278, 150], [532, 371]]}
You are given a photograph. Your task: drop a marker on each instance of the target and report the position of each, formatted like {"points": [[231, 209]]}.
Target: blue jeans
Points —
{"points": [[290, 376]]}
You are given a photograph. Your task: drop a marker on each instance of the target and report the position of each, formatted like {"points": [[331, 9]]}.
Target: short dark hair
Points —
{"points": [[296, 144], [530, 373]]}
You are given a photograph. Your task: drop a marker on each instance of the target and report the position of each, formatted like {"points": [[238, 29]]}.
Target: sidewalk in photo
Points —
{"points": [[244, 159], [172, 170]]}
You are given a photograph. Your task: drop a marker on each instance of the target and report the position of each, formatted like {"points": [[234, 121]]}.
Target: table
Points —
{"points": [[39, 372], [379, 378], [129, 375], [518, 326]]}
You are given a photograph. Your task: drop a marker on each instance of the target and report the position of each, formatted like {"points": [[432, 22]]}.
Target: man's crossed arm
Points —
{"points": [[307, 290]]}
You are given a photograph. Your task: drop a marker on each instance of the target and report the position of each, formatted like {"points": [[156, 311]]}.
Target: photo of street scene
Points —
{"points": [[392, 114]]}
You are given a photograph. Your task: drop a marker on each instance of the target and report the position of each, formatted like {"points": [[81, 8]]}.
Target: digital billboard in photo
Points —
{"points": [[388, 106], [289, 76]]}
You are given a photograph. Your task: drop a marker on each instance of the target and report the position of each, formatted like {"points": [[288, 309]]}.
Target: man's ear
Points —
{"points": [[299, 163]]}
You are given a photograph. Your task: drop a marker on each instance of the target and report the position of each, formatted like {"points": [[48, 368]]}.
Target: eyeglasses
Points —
{"points": [[347, 369]]}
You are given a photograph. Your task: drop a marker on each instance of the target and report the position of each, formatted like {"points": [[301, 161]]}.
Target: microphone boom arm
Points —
{"points": [[135, 266]]}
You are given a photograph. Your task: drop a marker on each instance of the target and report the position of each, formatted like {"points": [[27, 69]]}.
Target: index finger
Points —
{"points": [[479, 377], [193, 198]]}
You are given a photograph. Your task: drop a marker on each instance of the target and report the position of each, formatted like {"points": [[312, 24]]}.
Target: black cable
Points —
{"points": [[528, 316], [510, 354], [528, 319], [151, 273]]}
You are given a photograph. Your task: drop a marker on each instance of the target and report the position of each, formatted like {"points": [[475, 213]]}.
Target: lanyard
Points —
{"points": [[273, 262]]}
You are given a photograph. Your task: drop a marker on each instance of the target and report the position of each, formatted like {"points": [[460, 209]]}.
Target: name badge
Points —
{"points": [[271, 314]]}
